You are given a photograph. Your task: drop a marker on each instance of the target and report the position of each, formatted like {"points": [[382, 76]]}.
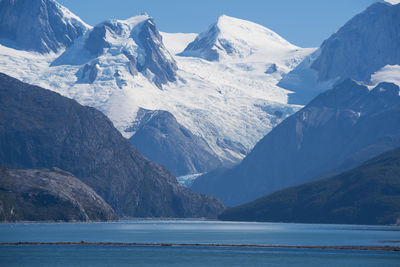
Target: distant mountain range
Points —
{"points": [[122, 66], [42, 129], [237, 102], [336, 131], [368, 194]]}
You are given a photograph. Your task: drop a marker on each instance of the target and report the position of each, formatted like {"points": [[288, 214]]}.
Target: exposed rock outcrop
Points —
{"points": [[49, 195]]}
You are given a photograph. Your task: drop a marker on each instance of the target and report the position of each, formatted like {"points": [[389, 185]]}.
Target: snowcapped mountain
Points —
{"points": [[121, 66], [336, 131], [393, 2], [244, 97], [364, 45], [231, 38], [339, 128], [135, 42], [38, 25]]}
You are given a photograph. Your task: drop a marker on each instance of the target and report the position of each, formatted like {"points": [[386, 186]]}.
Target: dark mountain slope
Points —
{"points": [[160, 138], [41, 129], [49, 195], [368, 194], [338, 130]]}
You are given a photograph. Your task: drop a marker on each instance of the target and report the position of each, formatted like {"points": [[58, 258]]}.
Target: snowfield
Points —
{"points": [[389, 73], [231, 102]]}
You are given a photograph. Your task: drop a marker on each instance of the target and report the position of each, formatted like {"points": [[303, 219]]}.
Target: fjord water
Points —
{"points": [[201, 232]]}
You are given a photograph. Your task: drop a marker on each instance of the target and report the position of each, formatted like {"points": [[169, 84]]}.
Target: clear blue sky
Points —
{"points": [[303, 22]]}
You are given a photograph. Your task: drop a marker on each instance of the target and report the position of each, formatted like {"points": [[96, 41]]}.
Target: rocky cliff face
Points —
{"points": [[366, 44], [338, 130], [362, 46], [368, 194], [49, 195], [160, 138], [41, 129], [39, 25]]}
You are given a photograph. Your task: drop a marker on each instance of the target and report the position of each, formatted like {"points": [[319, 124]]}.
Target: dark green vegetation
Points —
{"points": [[336, 131], [42, 129], [368, 194], [49, 195]]}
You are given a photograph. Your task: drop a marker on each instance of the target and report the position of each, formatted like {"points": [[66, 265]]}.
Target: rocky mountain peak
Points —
{"points": [[39, 25], [365, 44], [139, 40]]}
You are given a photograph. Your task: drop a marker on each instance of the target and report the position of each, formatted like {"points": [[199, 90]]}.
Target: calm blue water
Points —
{"points": [[151, 231]]}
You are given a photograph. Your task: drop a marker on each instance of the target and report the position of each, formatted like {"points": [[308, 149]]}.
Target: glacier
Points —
{"points": [[231, 102]]}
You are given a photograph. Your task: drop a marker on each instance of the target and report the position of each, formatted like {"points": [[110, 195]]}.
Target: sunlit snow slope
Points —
{"points": [[121, 66]]}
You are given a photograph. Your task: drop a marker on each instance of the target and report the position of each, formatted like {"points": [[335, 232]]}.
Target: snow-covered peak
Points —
{"points": [[39, 25], [135, 20], [252, 33], [70, 18], [136, 44], [121, 35], [236, 38], [115, 35], [123, 27], [392, 2]]}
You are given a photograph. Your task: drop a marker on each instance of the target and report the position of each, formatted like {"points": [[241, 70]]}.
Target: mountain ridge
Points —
{"points": [[328, 134], [367, 194], [352, 52], [229, 104], [42, 129], [39, 25]]}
